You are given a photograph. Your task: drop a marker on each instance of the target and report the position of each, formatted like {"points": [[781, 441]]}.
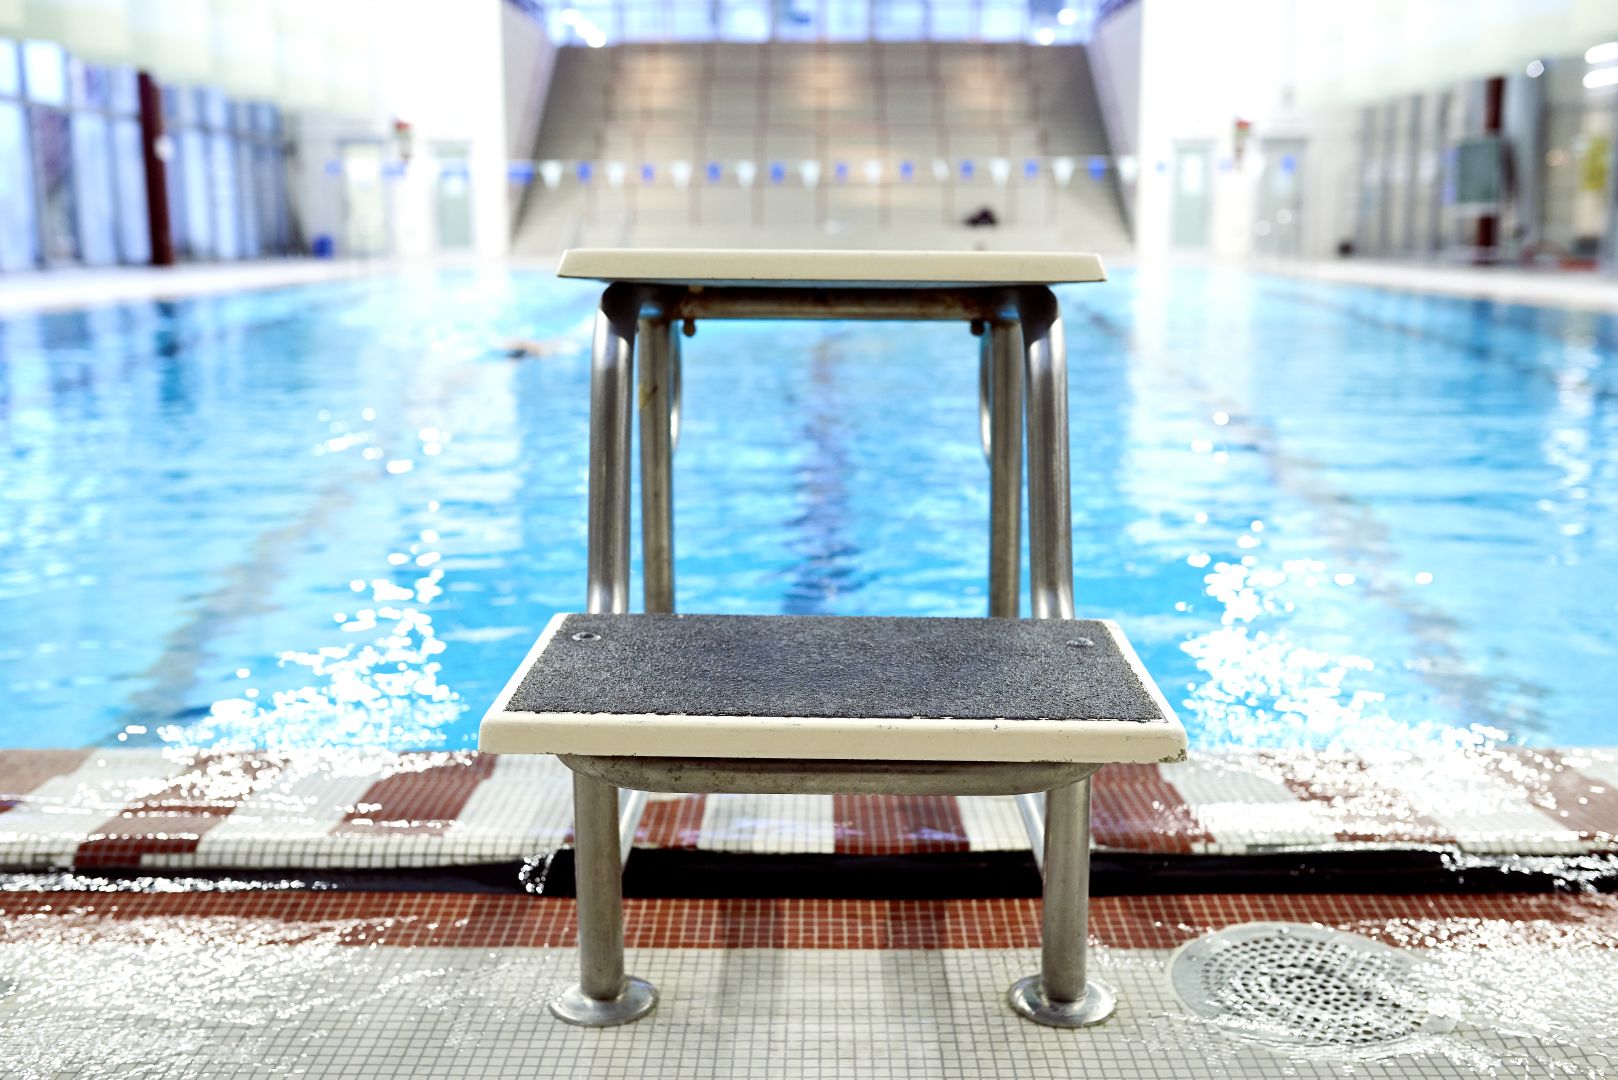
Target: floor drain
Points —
{"points": [[1289, 984]]}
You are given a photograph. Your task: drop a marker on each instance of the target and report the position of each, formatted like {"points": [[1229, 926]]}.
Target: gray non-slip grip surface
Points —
{"points": [[816, 666]]}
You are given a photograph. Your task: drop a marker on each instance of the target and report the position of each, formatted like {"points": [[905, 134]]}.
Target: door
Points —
{"points": [[453, 199], [365, 207], [1192, 195], [1279, 224]]}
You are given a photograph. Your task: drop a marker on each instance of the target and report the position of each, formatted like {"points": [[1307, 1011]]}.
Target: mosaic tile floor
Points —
{"points": [[249, 984], [160, 811]]}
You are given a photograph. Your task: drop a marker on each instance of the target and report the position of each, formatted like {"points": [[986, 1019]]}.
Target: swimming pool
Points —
{"points": [[338, 515]]}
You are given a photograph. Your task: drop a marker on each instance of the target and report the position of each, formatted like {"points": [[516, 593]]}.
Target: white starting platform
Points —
{"points": [[704, 703]]}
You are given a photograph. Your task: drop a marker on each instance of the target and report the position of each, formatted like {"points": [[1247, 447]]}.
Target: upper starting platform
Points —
{"points": [[846, 269]]}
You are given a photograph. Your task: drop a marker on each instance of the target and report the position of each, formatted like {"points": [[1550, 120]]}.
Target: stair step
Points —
{"points": [[826, 688]]}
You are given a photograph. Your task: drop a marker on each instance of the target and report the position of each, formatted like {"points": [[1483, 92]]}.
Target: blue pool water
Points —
{"points": [[338, 515]]}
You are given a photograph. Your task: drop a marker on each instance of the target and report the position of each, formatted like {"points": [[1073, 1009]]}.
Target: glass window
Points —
{"points": [[129, 173], [179, 106], [10, 70], [42, 63], [744, 20], [247, 225], [125, 90], [848, 20], [1004, 20], [901, 20], [50, 138], [690, 22], [643, 20], [88, 85], [191, 150], [226, 200], [270, 199], [798, 20], [93, 194], [215, 110], [953, 20], [19, 230]]}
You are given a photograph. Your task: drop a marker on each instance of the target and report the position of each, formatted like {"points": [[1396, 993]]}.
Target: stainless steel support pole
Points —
{"points": [[612, 370], [599, 889], [1050, 514], [659, 340], [604, 995], [1003, 347], [1060, 996], [1066, 920]]}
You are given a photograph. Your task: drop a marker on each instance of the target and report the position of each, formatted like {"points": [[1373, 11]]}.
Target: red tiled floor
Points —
{"points": [[23, 771], [1133, 808], [424, 797], [897, 824], [173, 820], [488, 921]]}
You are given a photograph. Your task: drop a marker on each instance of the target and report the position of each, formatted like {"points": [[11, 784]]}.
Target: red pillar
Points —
{"points": [[157, 176]]}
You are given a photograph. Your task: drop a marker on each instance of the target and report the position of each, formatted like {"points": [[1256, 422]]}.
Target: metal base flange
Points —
{"points": [[1028, 998], [638, 999]]}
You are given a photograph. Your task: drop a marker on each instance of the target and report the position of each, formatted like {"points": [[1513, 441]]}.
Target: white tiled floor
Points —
{"points": [[219, 997]]}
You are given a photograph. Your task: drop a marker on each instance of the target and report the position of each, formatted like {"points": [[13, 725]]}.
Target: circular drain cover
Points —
{"points": [[1291, 984]]}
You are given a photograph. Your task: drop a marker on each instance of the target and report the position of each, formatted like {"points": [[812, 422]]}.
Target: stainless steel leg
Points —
{"points": [[612, 373], [1003, 360], [604, 995], [1050, 513], [659, 340], [1060, 995]]}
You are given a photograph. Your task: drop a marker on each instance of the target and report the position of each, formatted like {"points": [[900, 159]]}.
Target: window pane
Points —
{"points": [[744, 20], [798, 20], [10, 70], [953, 20], [129, 171], [194, 203], [901, 20], [226, 203], [247, 197], [644, 21], [92, 176], [179, 106], [42, 65], [53, 158], [19, 234], [215, 110], [125, 95], [1004, 20], [690, 22], [88, 84], [848, 20]]}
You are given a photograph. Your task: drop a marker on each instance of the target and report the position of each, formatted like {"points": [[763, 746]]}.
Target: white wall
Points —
{"points": [[443, 72], [472, 72], [1202, 67]]}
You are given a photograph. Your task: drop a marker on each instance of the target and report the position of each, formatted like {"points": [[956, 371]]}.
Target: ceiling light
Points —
{"points": [[1600, 54]]}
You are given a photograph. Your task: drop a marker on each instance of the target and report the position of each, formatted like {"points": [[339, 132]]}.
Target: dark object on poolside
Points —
{"points": [[524, 349], [984, 218], [1345, 249]]}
